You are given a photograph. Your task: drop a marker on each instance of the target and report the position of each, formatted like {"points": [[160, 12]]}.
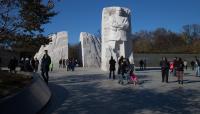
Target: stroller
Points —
{"points": [[124, 77]]}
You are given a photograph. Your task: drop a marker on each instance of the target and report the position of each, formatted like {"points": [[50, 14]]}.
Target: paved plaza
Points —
{"points": [[89, 91]]}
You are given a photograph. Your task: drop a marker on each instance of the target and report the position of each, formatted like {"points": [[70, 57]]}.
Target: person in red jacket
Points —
{"points": [[171, 67]]}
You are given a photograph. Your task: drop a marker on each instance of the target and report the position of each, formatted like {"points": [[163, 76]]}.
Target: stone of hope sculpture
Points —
{"points": [[116, 35]]}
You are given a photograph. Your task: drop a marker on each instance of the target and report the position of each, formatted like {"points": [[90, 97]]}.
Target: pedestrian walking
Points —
{"points": [[180, 70], [27, 67], [60, 63], [124, 67], [22, 64], [197, 67], [112, 63], [171, 67], [36, 64], [12, 65], [73, 64], [120, 64], [67, 64], [192, 64], [185, 64], [63, 62], [141, 64], [46, 61], [165, 69], [32, 64], [175, 65]]}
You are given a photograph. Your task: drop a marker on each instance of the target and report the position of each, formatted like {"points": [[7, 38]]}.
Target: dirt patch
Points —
{"points": [[12, 83]]}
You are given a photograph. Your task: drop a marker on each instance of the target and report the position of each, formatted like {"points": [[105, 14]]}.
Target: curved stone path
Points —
{"points": [[88, 91]]}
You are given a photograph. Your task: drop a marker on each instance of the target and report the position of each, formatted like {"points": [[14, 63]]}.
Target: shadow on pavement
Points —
{"points": [[156, 68], [59, 95], [79, 78], [81, 97], [90, 99], [186, 81]]}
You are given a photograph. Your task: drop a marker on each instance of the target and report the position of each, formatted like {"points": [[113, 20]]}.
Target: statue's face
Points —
{"points": [[120, 12], [118, 25]]}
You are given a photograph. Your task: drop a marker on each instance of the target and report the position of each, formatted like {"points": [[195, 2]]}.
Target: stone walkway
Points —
{"points": [[88, 91]]}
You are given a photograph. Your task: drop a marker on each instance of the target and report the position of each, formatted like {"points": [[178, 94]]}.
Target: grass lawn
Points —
{"points": [[12, 83]]}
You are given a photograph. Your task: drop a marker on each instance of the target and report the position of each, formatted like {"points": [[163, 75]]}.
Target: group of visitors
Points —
{"points": [[25, 64], [124, 67], [123, 64], [194, 64], [29, 65], [70, 64], [177, 68]]}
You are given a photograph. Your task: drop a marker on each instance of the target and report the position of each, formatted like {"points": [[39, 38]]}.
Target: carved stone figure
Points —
{"points": [[90, 50], [116, 35], [57, 48]]}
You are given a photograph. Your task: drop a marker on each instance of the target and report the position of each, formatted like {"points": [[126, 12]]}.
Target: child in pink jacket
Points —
{"points": [[134, 78]]}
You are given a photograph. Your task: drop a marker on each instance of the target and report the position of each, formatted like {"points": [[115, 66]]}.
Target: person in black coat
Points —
{"points": [[46, 61], [112, 63], [60, 63], [165, 69], [141, 64], [180, 70], [36, 64], [32, 64], [120, 64], [124, 67], [13, 64], [192, 64]]}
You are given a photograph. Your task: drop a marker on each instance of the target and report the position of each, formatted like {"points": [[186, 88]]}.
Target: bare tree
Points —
{"points": [[191, 32], [9, 18]]}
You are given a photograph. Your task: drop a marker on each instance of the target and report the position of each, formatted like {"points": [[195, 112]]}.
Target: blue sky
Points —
{"points": [[77, 16]]}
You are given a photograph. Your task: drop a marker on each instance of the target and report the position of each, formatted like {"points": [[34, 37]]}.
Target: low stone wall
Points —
{"points": [[154, 59], [28, 101]]}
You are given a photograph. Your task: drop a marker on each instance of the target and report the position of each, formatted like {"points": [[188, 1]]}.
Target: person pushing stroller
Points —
{"points": [[124, 68]]}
